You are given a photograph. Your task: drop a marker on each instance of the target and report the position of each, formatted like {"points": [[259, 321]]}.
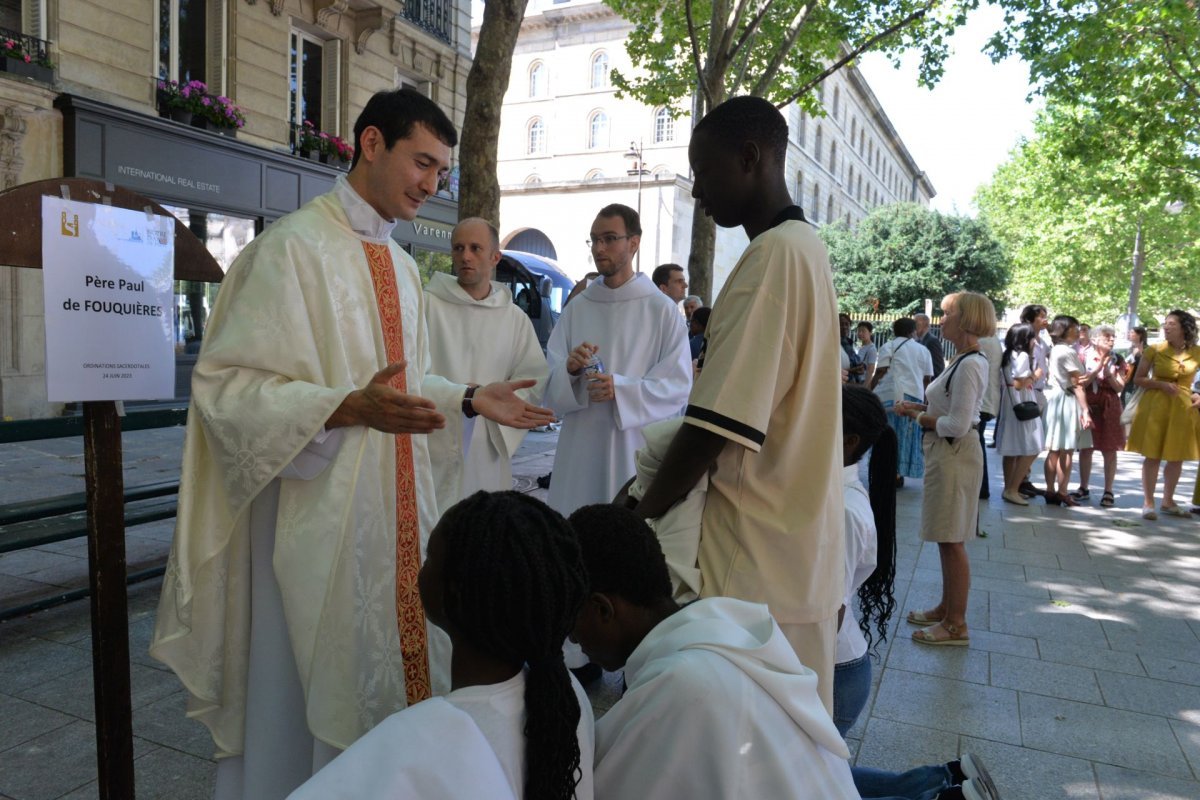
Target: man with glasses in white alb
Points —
{"points": [[619, 360]]}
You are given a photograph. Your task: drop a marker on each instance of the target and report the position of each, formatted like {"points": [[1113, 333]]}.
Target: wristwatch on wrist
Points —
{"points": [[468, 407]]}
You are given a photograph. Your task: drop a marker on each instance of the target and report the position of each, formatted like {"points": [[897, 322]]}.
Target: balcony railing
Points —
{"points": [[433, 16], [31, 52]]}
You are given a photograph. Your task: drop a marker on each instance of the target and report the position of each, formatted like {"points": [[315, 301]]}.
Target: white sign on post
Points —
{"points": [[109, 302]]}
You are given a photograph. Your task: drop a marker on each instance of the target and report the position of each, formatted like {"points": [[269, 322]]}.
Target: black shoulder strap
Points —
{"points": [[954, 367]]}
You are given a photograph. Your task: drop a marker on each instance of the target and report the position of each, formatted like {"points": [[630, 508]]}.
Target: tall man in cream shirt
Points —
{"points": [[477, 334], [763, 419]]}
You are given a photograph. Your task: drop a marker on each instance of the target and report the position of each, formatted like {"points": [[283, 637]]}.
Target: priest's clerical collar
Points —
{"points": [[364, 219]]}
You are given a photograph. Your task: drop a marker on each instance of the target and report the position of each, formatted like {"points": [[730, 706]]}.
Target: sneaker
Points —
{"points": [[971, 791], [978, 778]]}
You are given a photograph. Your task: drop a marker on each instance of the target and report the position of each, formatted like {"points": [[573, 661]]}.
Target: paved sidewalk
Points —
{"points": [[1082, 679]]}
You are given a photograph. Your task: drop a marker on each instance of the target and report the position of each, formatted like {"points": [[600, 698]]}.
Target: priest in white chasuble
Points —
{"points": [[477, 334], [289, 608], [624, 323]]}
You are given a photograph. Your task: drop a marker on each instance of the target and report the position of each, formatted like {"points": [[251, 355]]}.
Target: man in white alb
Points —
{"points": [[289, 608], [477, 333], [634, 330]]}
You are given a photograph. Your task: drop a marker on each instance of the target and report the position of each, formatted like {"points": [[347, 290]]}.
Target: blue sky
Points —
{"points": [[963, 128]]}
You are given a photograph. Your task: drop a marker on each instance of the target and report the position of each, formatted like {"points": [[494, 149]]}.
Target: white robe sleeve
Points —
{"points": [[564, 393], [528, 363], [316, 456], [662, 392]]}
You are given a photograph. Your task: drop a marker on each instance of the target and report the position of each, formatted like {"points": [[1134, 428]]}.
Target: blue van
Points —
{"points": [[538, 285]]}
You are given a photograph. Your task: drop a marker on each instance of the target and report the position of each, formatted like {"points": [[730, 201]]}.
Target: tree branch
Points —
{"points": [[1186, 83], [751, 28], [691, 25], [743, 65], [768, 77], [855, 53]]}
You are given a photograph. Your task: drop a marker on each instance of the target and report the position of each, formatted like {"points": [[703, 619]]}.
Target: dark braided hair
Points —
{"points": [[863, 414], [514, 584]]}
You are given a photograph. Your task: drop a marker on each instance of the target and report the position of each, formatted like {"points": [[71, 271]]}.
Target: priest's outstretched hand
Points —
{"points": [[499, 402], [381, 406]]}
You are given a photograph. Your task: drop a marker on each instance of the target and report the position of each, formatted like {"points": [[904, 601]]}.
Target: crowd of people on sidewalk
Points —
{"points": [[1060, 387], [350, 586]]}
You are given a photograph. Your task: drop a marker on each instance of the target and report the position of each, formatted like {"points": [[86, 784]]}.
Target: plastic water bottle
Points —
{"points": [[594, 366]]}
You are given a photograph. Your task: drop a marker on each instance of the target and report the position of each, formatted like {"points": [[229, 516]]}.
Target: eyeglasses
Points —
{"points": [[607, 240]]}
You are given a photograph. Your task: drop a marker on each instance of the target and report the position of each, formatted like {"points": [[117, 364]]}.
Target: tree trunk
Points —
{"points": [[700, 260], [704, 230], [479, 193]]}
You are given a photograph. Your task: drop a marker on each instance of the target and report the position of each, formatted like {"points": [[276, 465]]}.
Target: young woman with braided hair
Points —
{"points": [[870, 548], [504, 578]]}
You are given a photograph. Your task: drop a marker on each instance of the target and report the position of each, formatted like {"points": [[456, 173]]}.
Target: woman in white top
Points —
{"points": [[504, 577], [1017, 441], [953, 463], [870, 549], [1067, 417]]}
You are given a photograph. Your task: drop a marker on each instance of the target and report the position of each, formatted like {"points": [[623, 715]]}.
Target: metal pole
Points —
{"points": [[639, 202], [1135, 279]]}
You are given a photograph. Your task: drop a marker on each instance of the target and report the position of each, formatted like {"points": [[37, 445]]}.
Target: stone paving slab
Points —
{"points": [[1082, 679]]}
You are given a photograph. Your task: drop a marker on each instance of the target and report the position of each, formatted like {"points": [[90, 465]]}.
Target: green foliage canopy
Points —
{"points": [[777, 49], [901, 254], [1068, 215], [1134, 64]]}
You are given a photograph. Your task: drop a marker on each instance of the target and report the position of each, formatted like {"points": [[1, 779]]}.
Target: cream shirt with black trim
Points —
{"points": [[773, 520]]}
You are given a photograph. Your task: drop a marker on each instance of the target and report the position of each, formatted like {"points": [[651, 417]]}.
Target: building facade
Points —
{"points": [[569, 146], [96, 112]]}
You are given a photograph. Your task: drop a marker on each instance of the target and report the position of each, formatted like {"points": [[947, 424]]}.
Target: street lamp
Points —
{"points": [[639, 169], [1129, 320]]}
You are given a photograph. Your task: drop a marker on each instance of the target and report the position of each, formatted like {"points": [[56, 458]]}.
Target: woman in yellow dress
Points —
{"points": [[1165, 424]]}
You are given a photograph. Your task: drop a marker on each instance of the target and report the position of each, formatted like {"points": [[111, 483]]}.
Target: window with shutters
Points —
{"points": [[182, 38], [314, 76], [10, 15]]}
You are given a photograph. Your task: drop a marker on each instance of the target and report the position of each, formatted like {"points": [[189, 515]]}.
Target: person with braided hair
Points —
{"points": [[505, 580], [870, 548]]}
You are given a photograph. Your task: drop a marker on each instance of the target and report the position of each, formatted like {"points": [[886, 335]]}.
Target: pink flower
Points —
{"points": [[28, 59]]}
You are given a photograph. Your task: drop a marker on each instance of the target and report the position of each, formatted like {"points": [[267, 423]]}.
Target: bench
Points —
{"points": [[35, 523]]}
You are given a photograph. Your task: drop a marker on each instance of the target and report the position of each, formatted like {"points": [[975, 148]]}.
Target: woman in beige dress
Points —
{"points": [[953, 463]]}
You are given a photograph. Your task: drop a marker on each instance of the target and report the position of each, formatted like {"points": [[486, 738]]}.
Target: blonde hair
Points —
{"points": [[977, 315]]}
